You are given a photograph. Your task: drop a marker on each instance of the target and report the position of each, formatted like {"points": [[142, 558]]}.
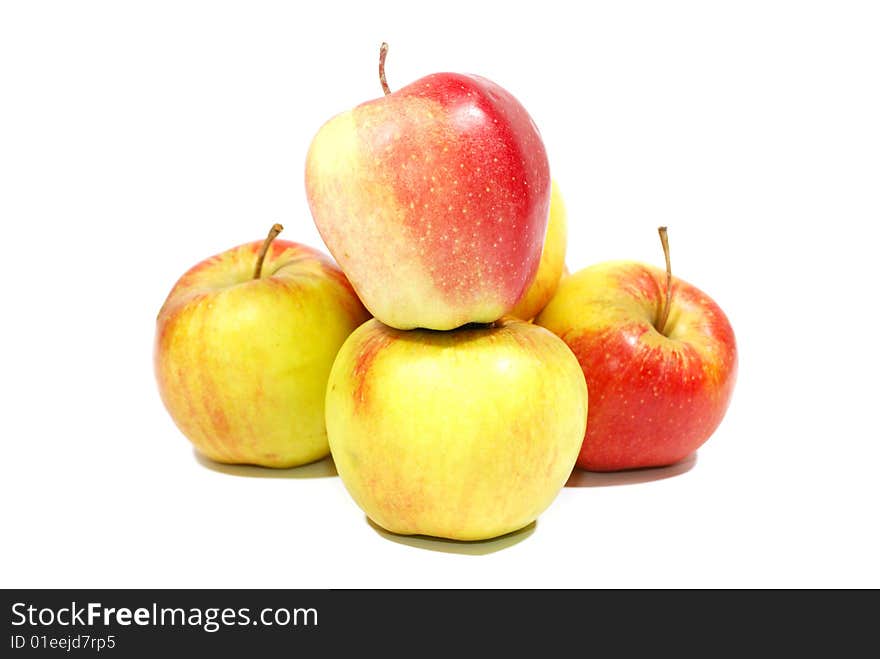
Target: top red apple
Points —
{"points": [[433, 200]]}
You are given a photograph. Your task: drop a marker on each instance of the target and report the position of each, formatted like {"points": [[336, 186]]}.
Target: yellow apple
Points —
{"points": [[244, 345], [467, 434], [552, 265]]}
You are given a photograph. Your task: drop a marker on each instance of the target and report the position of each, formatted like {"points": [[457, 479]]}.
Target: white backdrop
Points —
{"points": [[138, 138]]}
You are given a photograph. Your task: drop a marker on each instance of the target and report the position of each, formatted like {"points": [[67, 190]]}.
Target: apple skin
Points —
{"points": [[433, 200], [552, 265], [468, 434], [242, 363], [654, 399]]}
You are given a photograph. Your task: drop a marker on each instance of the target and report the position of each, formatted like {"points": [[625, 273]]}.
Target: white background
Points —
{"points": [[138, 138]]}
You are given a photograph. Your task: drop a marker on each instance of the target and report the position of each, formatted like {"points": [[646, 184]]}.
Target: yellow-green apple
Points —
{"points": [[659, 356], [243, 349], [552, 263], [433, 200], [467, 434]]}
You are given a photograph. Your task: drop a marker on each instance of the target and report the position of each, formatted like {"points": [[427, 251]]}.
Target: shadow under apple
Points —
{"points": [[465, 547], [583, 478], [323, 468]]}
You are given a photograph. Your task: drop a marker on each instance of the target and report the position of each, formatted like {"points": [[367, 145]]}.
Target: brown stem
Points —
{"points": [[273, 232], [664, 314], [383, 53]]}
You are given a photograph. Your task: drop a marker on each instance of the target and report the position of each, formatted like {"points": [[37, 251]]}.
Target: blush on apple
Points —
{"points": [[659, 356], [433, 199]]}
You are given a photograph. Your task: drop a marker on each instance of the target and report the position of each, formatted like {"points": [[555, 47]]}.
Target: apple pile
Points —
{"points": [[460, 408]]}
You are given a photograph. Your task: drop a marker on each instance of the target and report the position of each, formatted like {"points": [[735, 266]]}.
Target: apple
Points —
{"points": [[433, 199], [552, 265], [467, 434], [243, 349], [659, 356]]}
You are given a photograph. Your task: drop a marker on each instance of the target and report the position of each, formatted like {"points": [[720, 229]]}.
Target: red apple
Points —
{"points": [[433, 200], [660, 380]]}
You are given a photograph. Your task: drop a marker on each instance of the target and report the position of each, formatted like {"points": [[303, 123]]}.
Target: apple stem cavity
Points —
{"points": [[664, 314], [383, 53], [273, 232]]}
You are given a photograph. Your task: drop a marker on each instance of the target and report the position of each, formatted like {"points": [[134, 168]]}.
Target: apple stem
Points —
{"points": [[273, 232], [664, 314], [383, 53]]}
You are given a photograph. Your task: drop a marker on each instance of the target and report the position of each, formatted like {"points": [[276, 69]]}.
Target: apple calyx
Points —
{"points": [[273, 232], [667, 298], [383, 53]]}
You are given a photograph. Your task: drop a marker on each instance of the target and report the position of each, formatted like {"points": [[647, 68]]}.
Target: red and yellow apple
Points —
{"points": [[243, 349], [467, 434], [658, 389], [552, 265], [433, 199]]}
